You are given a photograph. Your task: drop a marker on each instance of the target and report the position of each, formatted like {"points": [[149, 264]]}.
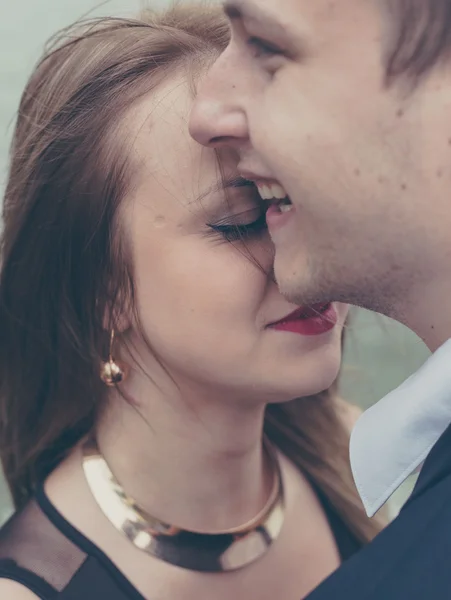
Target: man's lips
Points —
{"points": [[303, 313]]}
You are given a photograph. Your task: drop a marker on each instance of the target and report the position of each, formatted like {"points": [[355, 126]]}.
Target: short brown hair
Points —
{"points": [[420, 37]]}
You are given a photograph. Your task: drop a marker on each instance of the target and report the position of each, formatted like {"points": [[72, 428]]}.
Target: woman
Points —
{"points": [[143, 336]]}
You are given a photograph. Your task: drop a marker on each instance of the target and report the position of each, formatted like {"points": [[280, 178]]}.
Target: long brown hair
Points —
{"points": [[64, 264]]}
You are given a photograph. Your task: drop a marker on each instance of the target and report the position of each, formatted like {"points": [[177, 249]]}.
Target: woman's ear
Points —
{"points": [[118, 318], [122, 322]]}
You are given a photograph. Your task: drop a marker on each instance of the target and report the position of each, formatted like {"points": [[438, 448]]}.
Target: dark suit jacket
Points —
{"points": [[411, 558]]}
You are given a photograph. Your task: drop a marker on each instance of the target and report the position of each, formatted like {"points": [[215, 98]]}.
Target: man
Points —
{"points": [[346, 106]]}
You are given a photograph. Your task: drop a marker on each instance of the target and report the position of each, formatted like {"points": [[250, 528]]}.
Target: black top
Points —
{"points": [[46, 554], [411, 558]]}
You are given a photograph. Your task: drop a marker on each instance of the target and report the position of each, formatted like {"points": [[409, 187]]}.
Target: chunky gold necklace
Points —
{"points": [[209, 552]]}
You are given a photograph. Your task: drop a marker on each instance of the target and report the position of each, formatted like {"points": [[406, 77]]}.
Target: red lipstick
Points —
{"points": [[308, 320]]}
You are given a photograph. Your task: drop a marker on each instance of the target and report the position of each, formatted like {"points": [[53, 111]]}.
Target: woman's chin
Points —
{"points": [[315, 381]]}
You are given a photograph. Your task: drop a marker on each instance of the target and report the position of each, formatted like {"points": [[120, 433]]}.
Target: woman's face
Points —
{"points": [[204, 304]]}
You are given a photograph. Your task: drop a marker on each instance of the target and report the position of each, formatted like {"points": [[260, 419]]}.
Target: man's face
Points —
{"points": [[301, 93]]}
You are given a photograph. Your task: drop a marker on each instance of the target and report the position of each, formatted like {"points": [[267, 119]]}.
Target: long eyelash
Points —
{"points": [[233, 232], [239, 182]]}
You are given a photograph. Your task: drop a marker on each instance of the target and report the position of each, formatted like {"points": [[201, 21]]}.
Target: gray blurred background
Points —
{"points": [[379, 354]]}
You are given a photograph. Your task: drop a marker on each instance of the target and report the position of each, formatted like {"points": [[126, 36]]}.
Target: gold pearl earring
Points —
{"points": [[113, 372]]}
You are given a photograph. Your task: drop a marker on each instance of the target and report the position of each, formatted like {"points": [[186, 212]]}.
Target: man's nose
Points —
{"points": [[217, 119]]}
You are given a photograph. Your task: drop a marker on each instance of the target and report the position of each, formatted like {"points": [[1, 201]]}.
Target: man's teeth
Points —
{"points": [[274, 191], [268, 191]]}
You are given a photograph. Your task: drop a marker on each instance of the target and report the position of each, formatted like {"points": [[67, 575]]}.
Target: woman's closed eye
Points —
{"points": [[237, 227]]}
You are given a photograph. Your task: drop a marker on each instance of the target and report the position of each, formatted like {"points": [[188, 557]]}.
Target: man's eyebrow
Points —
{"points": [[238, 10], [232, 10]]}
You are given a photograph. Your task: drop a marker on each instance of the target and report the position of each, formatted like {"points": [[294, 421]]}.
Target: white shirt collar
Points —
{"points": [[392, 439]]}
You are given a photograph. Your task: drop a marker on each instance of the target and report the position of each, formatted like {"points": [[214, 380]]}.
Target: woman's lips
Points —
{"points": [[277, 218], [312, 320]]}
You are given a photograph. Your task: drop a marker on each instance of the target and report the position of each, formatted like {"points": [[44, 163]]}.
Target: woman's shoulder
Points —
{"points": [[15, 591], [32, 543]]}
